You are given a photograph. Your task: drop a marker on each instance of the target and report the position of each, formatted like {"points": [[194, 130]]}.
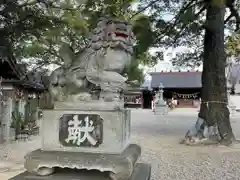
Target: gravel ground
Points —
{"points": [[159, 138]]}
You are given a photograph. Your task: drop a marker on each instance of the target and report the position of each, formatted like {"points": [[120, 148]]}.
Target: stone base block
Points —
{"points": [[81, 129], [161, 110], [120, 166], [141, 172]]}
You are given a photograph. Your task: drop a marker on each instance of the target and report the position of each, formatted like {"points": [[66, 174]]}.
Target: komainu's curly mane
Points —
{"points": [[101, 63]]}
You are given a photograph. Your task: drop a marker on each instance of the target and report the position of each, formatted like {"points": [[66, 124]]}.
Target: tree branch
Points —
{"points": [[145, 8], [51, 5], [177, 17], [28, 3], [234, 13], [40, 65], [228, 18], [185, 25]]}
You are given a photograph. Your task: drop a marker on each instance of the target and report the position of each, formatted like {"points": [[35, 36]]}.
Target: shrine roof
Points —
{"points": [[177, 79], [30, 85], [11, 73]]}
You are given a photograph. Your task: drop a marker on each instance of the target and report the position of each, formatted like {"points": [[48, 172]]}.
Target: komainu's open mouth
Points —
{"points": [[119, 34]]}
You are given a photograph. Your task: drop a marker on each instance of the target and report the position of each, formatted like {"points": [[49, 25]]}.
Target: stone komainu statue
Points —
{"points": [[95, 72]]}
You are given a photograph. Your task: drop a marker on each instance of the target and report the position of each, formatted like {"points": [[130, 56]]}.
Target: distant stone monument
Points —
{"points": [[160, 105], [89, 129], [232, 108]]}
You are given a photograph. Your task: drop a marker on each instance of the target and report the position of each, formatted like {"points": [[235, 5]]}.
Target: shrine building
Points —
{"points": [[19, 99], [183, 86]]}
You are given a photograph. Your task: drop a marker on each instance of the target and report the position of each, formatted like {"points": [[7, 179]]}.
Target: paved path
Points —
{"points": [[159, 137], [12, 157]]}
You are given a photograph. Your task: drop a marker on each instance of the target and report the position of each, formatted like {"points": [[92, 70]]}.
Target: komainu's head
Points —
{"points": [[113, 33]]}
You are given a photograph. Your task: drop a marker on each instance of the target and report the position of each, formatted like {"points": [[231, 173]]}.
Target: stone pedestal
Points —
{"points": [[120, 166], [111, 128], [85, 136], [161, 108], [141, 172], [160, 105]]}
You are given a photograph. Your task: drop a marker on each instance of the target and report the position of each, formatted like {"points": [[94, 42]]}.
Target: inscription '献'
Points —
{"points": [[78, 133], [81, 130]]}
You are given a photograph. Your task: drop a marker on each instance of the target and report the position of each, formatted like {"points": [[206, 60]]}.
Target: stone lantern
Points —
{"points": [[160, 105], [160, 92]]}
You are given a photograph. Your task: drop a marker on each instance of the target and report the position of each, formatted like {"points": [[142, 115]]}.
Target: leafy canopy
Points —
{"points": [[182, 23], [35, 29], [233, 45]]}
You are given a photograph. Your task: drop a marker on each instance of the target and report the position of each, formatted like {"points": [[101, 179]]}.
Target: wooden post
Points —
{"points": [[8, 119], [1, 121]]}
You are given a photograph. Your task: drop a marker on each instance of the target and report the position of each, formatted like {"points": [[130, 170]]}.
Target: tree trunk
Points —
{"points": [[214, 113]]}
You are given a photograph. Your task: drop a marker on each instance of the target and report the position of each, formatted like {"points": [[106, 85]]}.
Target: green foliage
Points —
{"points": [[68, 27], [37, 28], [17, 117], [116, 8], [233, 45], [17, 121], [182, 23], [135, 73], [144, 34]]}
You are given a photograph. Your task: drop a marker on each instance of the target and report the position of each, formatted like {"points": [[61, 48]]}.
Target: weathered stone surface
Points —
{"points": [[161, 109], [121, 166], [141, 172], [99, 66], [65, 175], [160, 105], [89, 105], [111, 133]]}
